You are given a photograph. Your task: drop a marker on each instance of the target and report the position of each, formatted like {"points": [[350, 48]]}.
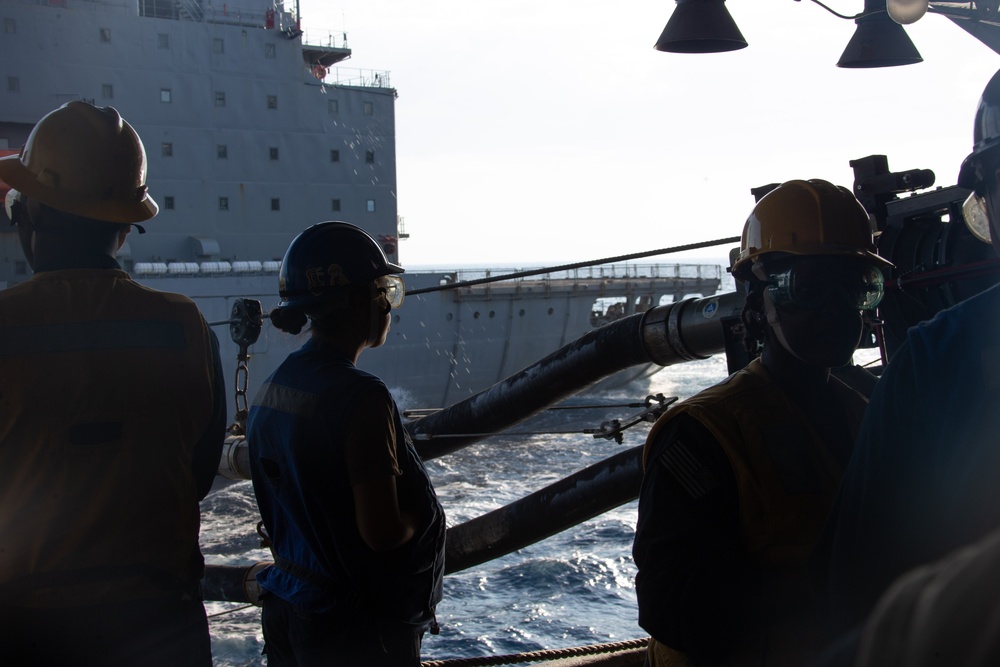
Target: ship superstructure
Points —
{"points": [[253, 131]]}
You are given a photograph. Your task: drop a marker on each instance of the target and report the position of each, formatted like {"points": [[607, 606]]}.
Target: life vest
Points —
{"points": [[295, 433], [786, 482], [106, 389]]}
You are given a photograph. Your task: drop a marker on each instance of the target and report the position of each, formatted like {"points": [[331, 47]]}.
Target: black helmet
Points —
{"points": [[986, 135], [327, 257], [977, 169]]}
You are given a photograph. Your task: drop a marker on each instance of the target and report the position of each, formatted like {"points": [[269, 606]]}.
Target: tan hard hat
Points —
{"points": [[84, 160], [813, 217]]}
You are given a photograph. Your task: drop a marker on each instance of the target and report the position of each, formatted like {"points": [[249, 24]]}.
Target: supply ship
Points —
{"points": [[255, 129]]}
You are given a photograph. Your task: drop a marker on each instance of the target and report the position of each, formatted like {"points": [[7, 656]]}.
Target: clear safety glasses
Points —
{"points": [[391, 289], [815, 283], [980, 171], [976, 217]]}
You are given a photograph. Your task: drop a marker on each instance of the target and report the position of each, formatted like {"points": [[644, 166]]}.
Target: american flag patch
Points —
{"points": [[696, 479]]}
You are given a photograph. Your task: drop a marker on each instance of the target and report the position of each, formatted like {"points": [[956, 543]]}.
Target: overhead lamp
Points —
{"points": [[878, 41], [700, 26]]}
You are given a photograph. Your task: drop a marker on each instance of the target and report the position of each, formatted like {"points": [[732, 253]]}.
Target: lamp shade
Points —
{"points": [[700, 26], [878, 41]]}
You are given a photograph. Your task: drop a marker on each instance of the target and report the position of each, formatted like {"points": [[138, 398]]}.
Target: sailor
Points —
{"points": [[924, 477], [739, 478], [112, 416], [356, 530]]}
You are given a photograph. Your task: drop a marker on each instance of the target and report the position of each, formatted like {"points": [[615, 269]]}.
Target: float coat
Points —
{"points": [[87, 463], [786, 482]]}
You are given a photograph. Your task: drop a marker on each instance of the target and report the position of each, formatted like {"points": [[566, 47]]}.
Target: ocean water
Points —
{"points": [[572, 589]]}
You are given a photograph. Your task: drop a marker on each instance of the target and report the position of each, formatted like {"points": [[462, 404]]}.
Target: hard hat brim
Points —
{"points": [[16, 175]]}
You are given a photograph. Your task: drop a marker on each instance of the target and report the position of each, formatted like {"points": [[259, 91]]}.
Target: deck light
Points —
{"points": [[700, 26], [878, 41]]}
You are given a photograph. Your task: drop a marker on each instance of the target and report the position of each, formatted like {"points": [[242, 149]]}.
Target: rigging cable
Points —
{"points": [[536, 656], [550, 269], [577, 265]]}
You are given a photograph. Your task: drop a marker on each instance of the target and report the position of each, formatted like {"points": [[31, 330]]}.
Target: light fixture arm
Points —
{"points": [[838, 15]]}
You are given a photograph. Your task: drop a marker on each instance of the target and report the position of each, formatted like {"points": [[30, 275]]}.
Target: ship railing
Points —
{"points": [[192, 10], [360, 78], [607, 272], [326, 39]]}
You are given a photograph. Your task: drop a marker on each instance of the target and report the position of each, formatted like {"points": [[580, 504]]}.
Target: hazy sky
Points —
{"points": [[550, 131]]}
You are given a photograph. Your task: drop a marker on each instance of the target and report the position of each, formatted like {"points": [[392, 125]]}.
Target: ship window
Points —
{"points": [[369, 109], [332, 106], [105, 34], [20, 267], [269, 50], [165, 95], [334, 155], [370, 205], [162, 40], [370, 157], [129, 266], [273, 152], [107, 91], [13, 84], [220, 98], [272, 101], [168, 202], [334, 204], [167, 149], [223, 203], [222, 151], [218, 46], [10, 26], [275, 204]]}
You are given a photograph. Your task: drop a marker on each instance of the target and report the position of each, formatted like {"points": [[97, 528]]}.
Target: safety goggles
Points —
{"points": [[813, 284], [391, 289], [973, 175], [976, 218]]}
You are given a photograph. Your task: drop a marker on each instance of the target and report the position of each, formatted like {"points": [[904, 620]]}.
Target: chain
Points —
{"points": [[242, 381], [244, 327]]}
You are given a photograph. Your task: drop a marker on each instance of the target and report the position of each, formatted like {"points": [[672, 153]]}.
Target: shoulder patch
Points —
{"points": [[695, 477]]}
